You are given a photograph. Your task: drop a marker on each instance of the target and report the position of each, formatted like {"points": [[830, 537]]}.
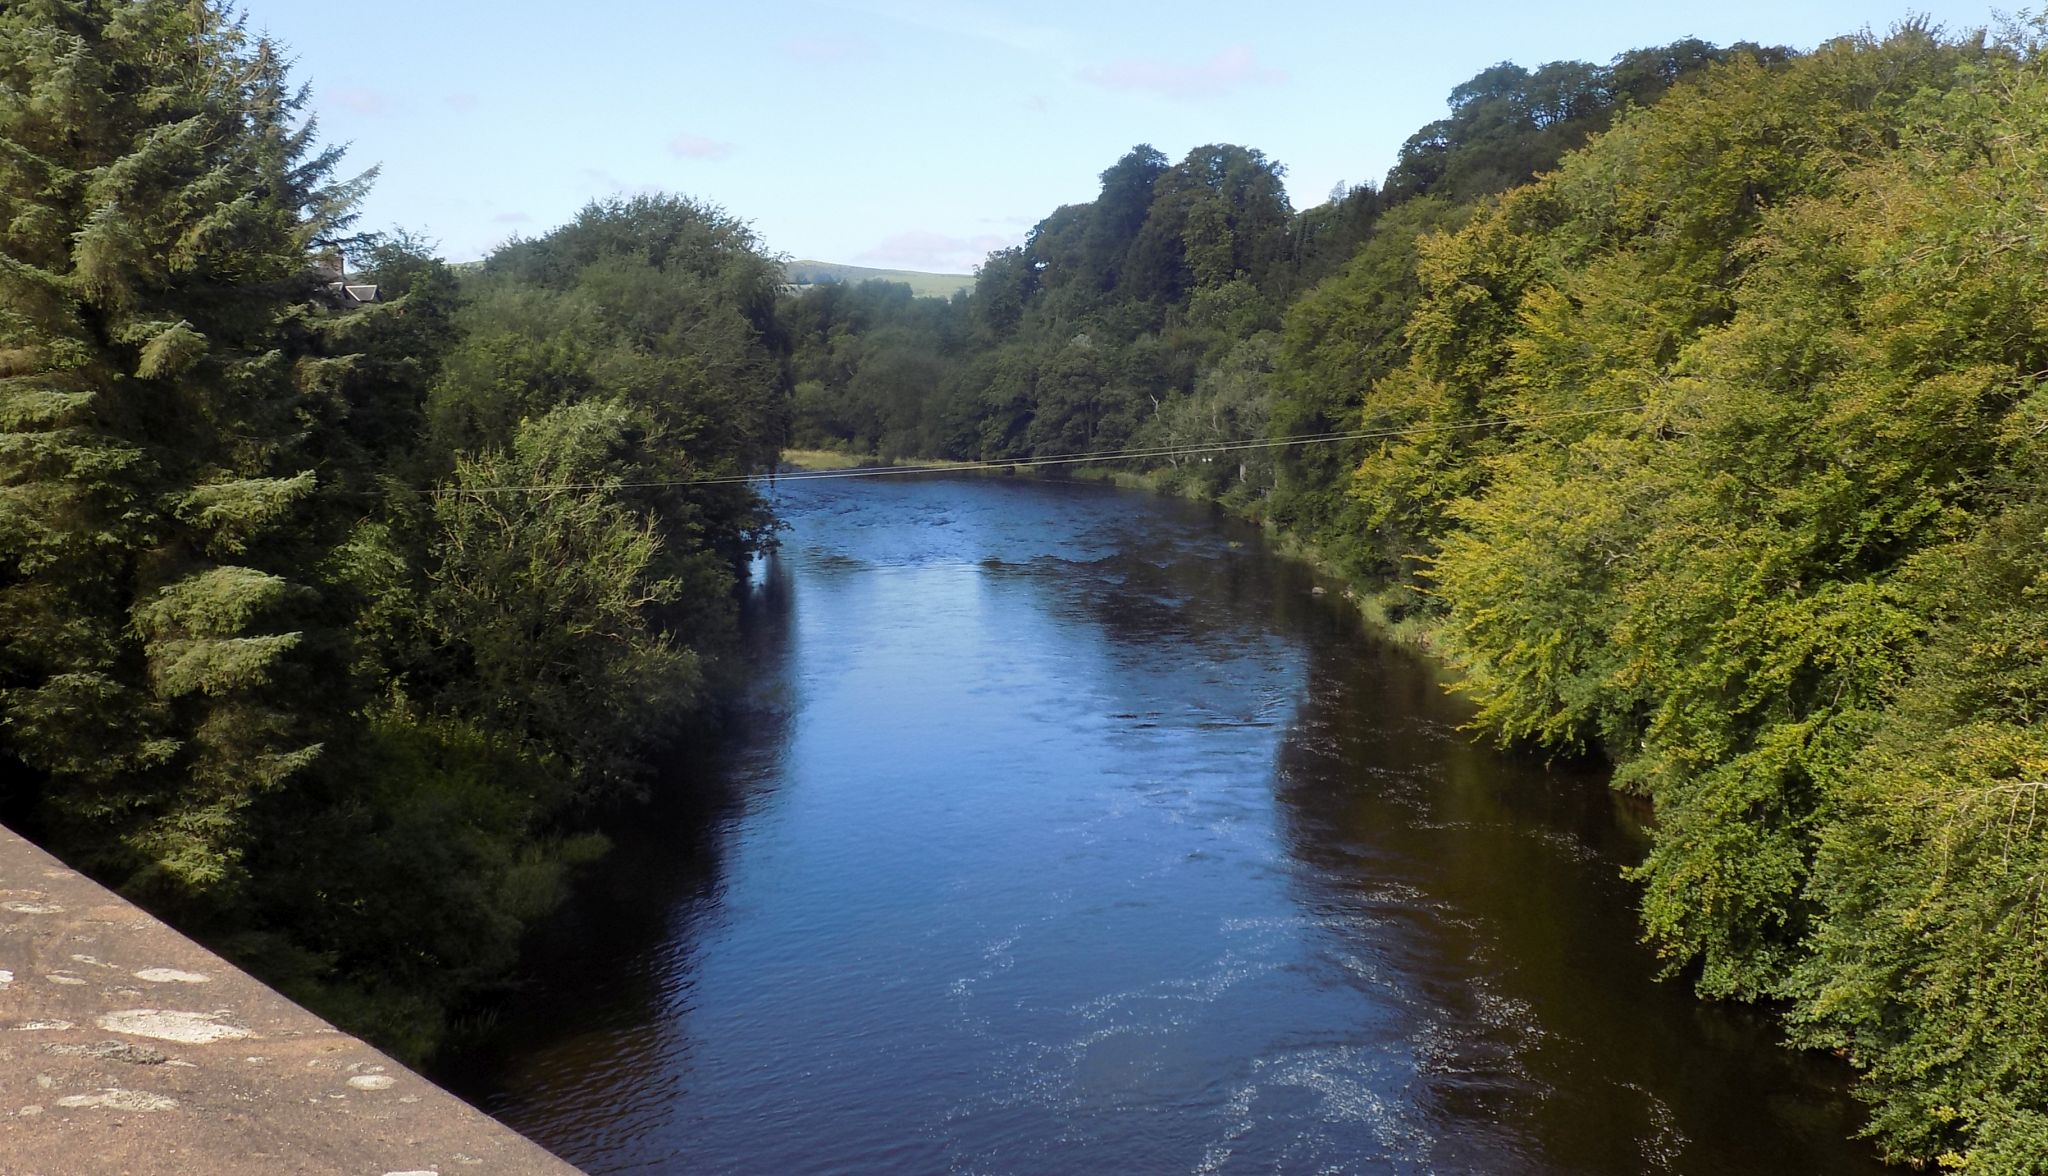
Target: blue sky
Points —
{"points": [[914, 133]]}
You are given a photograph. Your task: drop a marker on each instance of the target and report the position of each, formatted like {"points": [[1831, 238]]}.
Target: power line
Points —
{"points": [[1153, 452]]}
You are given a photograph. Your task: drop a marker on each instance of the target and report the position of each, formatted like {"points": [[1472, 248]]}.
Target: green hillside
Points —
{"points": [[811, 273]]}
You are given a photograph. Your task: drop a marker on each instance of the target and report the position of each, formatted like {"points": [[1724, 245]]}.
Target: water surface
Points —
{"points": [[1070, 831]]}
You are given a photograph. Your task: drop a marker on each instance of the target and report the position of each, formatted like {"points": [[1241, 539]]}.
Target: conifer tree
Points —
{"points": [[159, 195]]}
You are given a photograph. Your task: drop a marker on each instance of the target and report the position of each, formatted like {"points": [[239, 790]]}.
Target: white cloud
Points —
{"points": [[1232, 69], [689, 146]]}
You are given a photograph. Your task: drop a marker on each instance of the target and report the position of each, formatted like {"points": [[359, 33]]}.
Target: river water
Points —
{"points": [[1070, 831]]}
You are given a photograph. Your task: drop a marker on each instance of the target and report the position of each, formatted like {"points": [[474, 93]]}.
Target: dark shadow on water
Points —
{"points": [[1532, 936], [584, 1004]]}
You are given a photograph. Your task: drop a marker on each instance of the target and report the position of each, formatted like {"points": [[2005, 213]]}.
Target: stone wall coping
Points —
{"points": [[127, 1049]]}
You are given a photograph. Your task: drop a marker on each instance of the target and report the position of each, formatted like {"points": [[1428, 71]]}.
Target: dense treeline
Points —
{"points": [[1153, 315], [1711, 438], [1796, 595], [328, 628], [1692, 405]]}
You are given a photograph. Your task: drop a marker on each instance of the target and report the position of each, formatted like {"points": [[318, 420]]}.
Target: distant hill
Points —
{"points": [[809, 273]]}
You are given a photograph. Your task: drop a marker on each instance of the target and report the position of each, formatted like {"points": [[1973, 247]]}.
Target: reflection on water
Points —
{"points": [[1069, 831]]}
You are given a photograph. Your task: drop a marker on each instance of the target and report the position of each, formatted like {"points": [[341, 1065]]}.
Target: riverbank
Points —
{"points": [[1373, 601], [817, 461]]}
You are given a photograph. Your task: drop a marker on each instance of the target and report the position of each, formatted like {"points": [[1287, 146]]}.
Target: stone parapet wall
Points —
{"points": [[126, 1048]]}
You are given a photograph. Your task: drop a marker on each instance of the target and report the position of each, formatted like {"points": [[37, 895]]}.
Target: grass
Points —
{"points": [[839, 459], [922, 284], [820, 459]]}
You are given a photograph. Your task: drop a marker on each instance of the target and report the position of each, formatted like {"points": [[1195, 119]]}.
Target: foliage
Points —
{"points": [[160, 208], [1788, 594], [1695, 400], [289, 645], [547, 599]]}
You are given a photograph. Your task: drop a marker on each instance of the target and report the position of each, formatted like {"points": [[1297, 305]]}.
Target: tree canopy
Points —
{"points": [[290, 645], [1689, 405]]}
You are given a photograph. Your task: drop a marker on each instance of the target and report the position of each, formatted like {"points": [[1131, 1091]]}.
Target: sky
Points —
{"points": [[916, 134]]}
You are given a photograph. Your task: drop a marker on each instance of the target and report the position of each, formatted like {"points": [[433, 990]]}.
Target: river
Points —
{"points": [[1069, 830]]}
